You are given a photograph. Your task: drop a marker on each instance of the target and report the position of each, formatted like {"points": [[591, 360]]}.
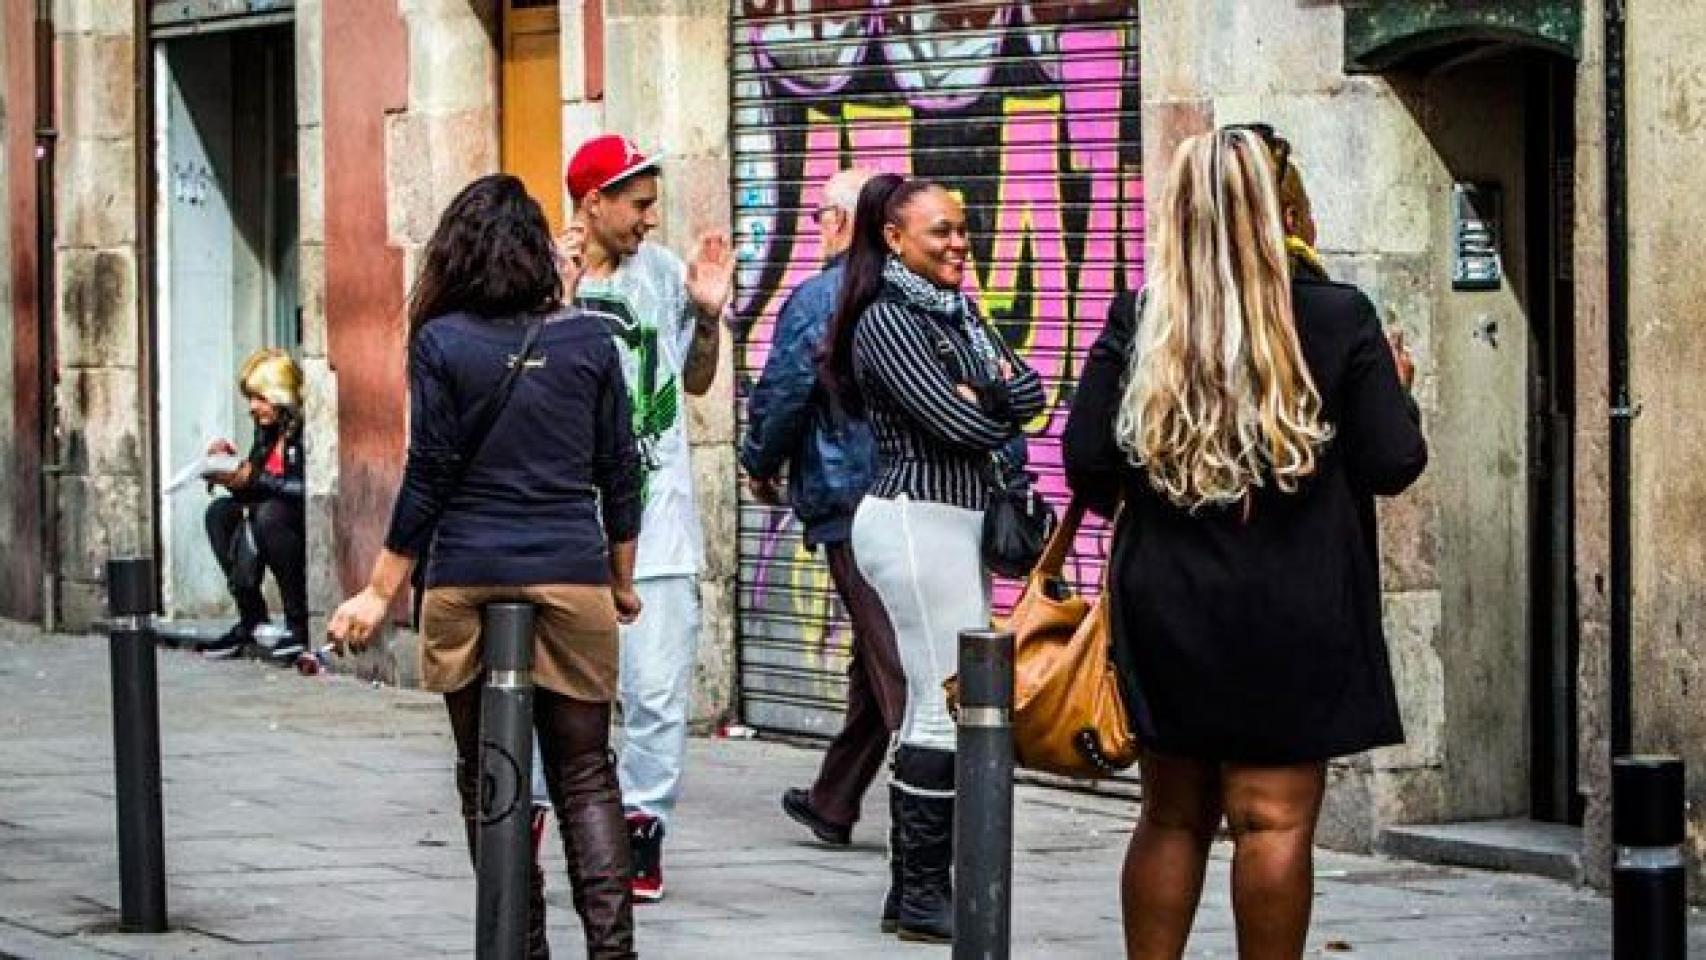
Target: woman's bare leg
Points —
{"points": [[1162, 879], [1271, 812]]}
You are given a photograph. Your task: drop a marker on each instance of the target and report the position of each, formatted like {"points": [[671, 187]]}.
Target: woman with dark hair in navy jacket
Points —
{"points": [[545, 510]]}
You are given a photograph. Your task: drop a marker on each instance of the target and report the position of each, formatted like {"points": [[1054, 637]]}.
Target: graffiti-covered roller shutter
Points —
{"points": [[1031, 112]]}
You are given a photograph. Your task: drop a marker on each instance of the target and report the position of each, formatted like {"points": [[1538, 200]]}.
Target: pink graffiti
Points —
{"points": [[1029, 222], [1048, 275], [1092, 59], [805, 256]]}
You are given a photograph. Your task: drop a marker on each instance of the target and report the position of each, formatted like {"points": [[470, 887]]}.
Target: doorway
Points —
{"points": [[1500, 119], [531, 102], [225, 242], [1554, 794]]}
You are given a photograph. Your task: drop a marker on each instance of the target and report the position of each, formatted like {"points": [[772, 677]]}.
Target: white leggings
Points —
{"points": [[924, 561]]}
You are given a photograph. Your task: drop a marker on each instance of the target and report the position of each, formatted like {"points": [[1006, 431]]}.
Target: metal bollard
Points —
{"points": [[1648, 880], [983, 824], [504, 853], [131, 605]]}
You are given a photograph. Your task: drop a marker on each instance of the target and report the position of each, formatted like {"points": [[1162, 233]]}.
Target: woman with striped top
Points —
{"points": [[946, 398]]}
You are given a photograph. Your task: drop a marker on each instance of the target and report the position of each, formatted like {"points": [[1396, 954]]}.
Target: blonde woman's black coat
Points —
{"points": [[1254, 636]]}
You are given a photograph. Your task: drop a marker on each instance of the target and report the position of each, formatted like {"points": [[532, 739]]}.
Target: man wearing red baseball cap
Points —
{"points": [[665, 317]]}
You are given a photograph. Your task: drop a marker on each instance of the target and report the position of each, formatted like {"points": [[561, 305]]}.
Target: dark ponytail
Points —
{"points": [[880, 203]]}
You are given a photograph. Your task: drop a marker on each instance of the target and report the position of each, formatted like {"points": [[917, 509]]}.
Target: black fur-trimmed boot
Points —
{"points": [[891, 900], [925, 780]]}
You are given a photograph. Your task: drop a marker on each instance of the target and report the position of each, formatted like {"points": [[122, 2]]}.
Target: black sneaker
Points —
{"points": [[229, 644], [645, 843], [797, 803]]}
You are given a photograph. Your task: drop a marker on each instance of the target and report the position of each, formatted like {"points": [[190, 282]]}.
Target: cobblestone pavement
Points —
{"points": [[314, 817]]}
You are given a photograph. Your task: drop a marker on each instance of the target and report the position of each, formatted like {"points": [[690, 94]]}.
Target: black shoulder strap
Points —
{"points": [[492, 407]]}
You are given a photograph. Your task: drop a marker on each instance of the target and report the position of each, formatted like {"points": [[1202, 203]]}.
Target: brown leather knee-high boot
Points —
{"points": [[581, 775], [464, 708]]}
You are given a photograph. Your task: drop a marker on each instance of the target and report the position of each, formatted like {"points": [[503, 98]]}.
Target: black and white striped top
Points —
{"points": [[932, 443]]}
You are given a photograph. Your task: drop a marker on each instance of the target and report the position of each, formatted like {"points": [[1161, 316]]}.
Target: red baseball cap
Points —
{"points": [[605, 161]]}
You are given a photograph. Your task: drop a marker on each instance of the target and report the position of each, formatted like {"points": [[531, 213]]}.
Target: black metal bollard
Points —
{"points": [[131, 605], [1648, 879], [983, 825], [504, 853]]}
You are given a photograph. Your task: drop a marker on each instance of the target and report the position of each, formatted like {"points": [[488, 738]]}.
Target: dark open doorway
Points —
{"points": [[1553, 635]]}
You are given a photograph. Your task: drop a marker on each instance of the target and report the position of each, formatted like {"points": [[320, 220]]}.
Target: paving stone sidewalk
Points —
{"points": [[315, 817]]}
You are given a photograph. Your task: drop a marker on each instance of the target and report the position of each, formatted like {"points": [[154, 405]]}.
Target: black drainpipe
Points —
{"points": [[147, 356], [1623, 409], [47, 303]]}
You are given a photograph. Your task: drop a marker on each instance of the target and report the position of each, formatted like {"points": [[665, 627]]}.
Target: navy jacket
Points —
{"points": [[558, 475], [830, 456]]}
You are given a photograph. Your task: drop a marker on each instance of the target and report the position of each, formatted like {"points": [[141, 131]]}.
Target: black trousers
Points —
{"points": [[281, 534], [876, 696]]}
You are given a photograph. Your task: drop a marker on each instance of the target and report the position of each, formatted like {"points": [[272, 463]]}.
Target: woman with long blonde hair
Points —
{"points": [[1236, 415]]}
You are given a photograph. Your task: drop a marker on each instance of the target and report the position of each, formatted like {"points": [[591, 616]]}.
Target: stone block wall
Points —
{"points": [[16, 488], [1592, 529], [320, 407], [1667, 288], [667, 86], [103, 495]]}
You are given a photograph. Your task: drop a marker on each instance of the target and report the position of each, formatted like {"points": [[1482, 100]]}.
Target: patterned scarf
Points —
{"points": [[948, 305]]}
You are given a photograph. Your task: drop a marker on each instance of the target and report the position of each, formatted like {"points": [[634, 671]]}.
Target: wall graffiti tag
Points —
{"points": [[1031, 112]]}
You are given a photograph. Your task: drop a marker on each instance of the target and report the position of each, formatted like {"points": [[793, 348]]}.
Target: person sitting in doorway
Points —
{"points": [[260, 525]]}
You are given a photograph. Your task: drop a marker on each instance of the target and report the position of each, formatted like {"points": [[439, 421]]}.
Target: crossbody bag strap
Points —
{"points": [[491, 408], [495, 402]]}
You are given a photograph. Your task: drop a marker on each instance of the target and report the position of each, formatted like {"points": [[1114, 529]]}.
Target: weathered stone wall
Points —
{"points": [[1380, 157], [320, 400], [1592, 521], [667, 86], [583, 106], [1667, 184], [103, 494], [16, 487], [403, 117], [21, 594]]}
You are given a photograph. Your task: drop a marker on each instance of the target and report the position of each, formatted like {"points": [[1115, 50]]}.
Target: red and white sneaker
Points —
{"points": [[645, 845]]}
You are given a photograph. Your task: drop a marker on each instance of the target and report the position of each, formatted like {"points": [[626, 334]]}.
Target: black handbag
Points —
{"points": [[1017, 521], [245, 567]]}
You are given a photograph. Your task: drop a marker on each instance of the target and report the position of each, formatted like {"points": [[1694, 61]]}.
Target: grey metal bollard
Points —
{"points": [[504, 853], [1649, 879], [983, 824], [131, 605]]}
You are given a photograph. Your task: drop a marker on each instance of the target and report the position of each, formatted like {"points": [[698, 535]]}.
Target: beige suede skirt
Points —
{"points": [[576, 638]]}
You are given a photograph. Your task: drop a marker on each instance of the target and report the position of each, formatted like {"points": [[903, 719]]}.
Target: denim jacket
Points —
{"points": [[830, 456]]}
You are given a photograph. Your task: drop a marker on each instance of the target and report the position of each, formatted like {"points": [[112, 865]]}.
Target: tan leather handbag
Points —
{"points": [[1068, 715]]}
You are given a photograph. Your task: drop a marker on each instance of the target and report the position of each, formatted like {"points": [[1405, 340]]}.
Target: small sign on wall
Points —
{"points": [[1477, 220]]}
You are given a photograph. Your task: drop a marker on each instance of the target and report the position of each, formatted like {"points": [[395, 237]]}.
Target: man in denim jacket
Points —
{"points": [[828, 459]]}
